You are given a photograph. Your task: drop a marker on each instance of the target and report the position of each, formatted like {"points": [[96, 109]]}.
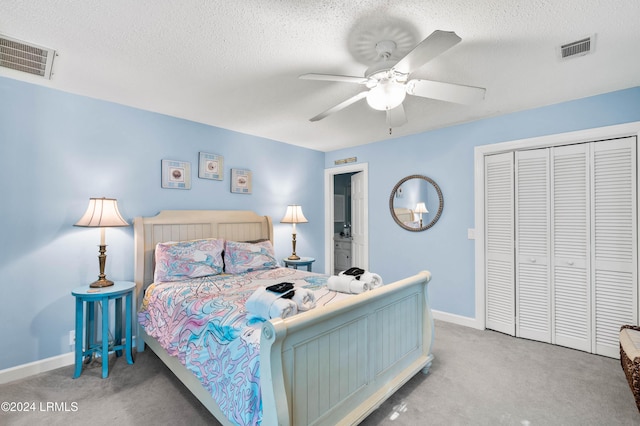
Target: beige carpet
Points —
{"points": [[477, 378]]}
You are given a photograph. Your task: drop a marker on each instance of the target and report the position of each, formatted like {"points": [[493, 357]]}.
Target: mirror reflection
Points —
{"points": [[416, 203]]}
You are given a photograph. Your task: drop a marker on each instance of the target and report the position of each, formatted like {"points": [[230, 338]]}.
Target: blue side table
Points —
{"points": [[91, 296], [303, 261]]}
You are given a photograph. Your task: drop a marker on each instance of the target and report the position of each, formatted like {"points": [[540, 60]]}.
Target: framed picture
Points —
{"points": [[240, 181], [211, 166], [176, 174]]}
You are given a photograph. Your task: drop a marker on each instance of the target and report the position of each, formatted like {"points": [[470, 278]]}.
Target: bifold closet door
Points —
{"points": [[614, 254], [533, 310], [570, 241], [570, 275], [499, 237]]}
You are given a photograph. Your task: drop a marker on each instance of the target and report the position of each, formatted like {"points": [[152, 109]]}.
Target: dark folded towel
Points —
{"points": [[286, 288], [355, 272]]}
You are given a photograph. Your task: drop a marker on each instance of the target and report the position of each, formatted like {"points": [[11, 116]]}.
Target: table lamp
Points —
{"points": [[421, 208], [294, 215], [102, 213]]}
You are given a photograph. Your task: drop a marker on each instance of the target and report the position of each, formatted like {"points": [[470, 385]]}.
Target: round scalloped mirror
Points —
{"points": [[416, 203]]}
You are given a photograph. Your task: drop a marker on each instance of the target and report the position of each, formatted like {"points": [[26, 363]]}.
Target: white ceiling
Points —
{"points": [[235, 64]]}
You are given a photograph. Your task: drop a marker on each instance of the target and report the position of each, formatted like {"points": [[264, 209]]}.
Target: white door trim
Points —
{"points": [[328, 209], [588, 135]]}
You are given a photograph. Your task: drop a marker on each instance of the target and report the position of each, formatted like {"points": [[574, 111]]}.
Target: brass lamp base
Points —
{"points": [[102, 278], [293, 256], [101, 283]]}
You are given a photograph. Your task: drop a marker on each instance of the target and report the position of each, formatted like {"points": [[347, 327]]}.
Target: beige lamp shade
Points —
{"points": [[421, 208], [294, 215], [102, 212]]}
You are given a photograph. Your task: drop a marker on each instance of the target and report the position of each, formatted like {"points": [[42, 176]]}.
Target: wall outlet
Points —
{"points": [[72, 337]]}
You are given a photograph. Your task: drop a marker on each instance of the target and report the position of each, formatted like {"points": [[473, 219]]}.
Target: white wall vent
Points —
{"points": [[26, 57], [577, 48]]}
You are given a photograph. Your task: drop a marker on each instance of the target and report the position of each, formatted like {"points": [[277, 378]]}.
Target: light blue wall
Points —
{"points": [[446, 155], [59, 149]]}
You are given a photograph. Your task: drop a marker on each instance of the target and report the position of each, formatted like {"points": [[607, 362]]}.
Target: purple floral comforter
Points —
{"points": [[203, 322]]}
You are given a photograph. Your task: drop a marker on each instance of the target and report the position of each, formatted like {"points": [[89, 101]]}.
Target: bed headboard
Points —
{"points": [[183, 225], [404, 214]]}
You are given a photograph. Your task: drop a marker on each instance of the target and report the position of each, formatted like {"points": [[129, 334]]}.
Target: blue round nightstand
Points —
{"points": [[91, 296], [303, 261]]}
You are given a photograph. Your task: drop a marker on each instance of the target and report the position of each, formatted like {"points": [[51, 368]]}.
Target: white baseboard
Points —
{"points": [[25, 370], [457, 319]]}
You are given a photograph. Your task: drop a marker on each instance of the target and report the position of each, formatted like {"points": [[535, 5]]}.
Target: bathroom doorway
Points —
{"points": [[346, 218]]}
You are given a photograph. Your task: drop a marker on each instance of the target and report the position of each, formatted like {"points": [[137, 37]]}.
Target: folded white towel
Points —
{"points": [[304, 298], [267, 304], [374, 280], [346, 284]]}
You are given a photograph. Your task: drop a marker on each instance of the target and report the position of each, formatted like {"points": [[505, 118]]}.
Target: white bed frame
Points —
{"points": [[404, 214], [328, 366]]}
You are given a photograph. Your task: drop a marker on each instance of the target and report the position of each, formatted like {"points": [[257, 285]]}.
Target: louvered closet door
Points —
{"points": [[533, 313], [614, 227], [571, 301], [499, 249]]}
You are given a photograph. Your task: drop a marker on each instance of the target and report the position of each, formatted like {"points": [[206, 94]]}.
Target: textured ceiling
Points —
{"points": [[235, 64]]}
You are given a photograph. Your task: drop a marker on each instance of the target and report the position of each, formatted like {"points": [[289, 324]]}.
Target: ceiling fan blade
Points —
{"points": [[432, 46], [449, 92], [331, 77], [340, 106], [396, 116]]}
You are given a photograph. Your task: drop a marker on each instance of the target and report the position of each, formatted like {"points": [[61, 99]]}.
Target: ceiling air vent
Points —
{"points": [[576, 48], [21, 56]]}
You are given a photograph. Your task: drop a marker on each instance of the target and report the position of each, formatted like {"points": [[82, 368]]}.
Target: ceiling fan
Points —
{"points": [[388, 81]]}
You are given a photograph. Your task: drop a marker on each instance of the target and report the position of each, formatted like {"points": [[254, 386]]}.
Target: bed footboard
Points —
{"points": [[337, 364]]}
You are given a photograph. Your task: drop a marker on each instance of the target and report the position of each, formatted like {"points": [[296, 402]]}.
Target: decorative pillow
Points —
{"points": [[176, 261], [247, 257]]}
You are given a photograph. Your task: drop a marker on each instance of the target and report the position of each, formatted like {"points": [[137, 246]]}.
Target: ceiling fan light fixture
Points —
{"points": [[387, 95], [387, 79]]}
